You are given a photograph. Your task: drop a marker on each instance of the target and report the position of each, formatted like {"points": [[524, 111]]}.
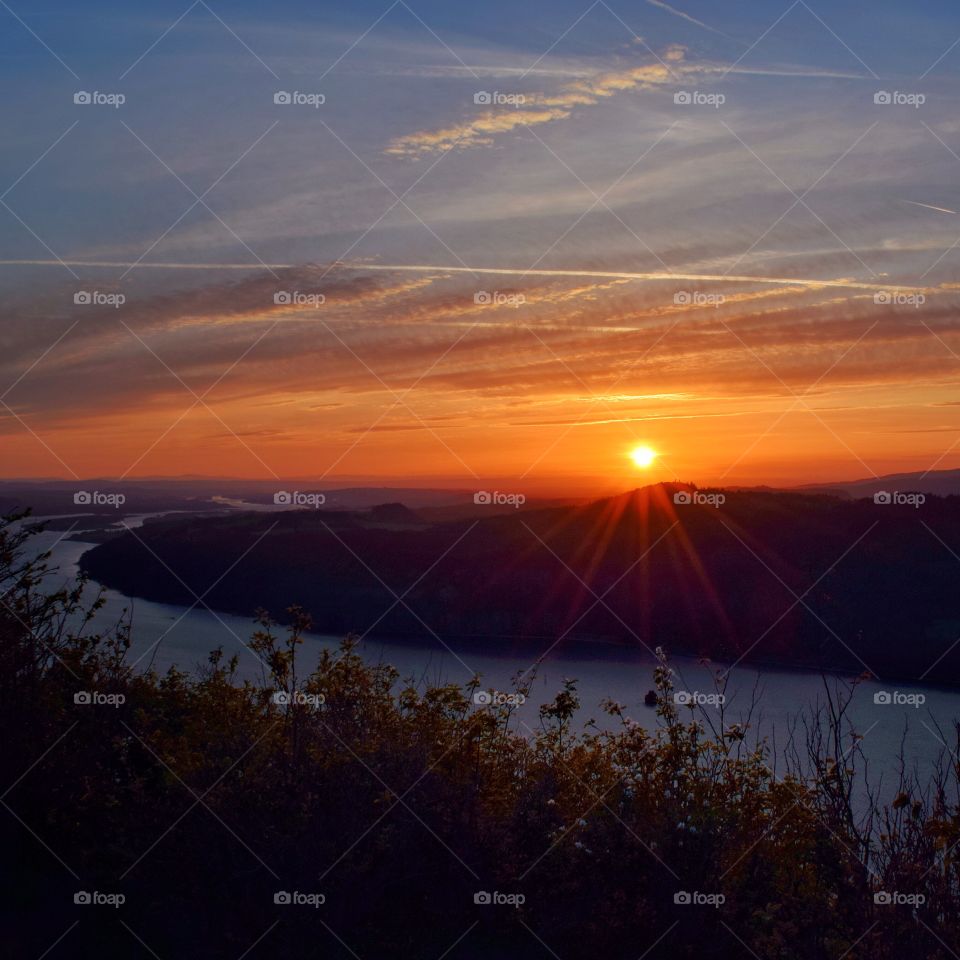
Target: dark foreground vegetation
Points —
{"points": [[200, 799], [799, 579]]}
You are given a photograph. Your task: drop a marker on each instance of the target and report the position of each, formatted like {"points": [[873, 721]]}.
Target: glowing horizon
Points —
{"points": [[485, 257]]}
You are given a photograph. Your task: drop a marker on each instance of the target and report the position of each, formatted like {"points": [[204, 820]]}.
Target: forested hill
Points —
{"points": [[779, 577]]}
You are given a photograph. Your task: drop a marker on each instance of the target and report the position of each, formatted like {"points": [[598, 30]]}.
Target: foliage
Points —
{"points": [[199, 797]]}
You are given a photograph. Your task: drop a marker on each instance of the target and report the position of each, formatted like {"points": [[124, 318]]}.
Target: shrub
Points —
{"points": [[200, 797]]}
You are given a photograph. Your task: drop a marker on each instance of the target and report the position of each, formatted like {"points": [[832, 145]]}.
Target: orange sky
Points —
{"points": [[406, 377], [500, 257]]}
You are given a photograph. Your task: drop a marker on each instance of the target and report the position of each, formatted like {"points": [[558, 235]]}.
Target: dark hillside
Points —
{"points": [[788, 577]]}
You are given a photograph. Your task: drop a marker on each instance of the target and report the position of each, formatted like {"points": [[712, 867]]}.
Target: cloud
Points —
{"points": [[606, 420], [689, 19], [472, 133], [847, 283], [503, 380], [540, 108], [310, 274], [668, 67], [929, 206], [569, 335]]}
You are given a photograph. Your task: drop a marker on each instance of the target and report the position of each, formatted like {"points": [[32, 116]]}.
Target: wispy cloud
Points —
{"points": [[539, 108], [358, 267], [669, 67], [929, 206], [689, 19]]}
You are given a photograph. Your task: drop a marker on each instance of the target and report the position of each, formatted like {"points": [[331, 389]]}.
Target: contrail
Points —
{"points": [[930, 206], [621, 275], [594, 423], [689, 19], [812, 284]]}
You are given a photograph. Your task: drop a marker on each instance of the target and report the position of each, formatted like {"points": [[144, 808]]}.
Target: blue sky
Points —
{"points": [[199, 99], [597, 170]]}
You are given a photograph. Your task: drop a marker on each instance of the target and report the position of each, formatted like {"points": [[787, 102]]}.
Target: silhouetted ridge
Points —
{"points": [[786, 577]]}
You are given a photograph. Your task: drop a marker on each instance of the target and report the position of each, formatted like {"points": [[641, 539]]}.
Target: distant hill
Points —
{"points": [[394, 513], [793, 578], [216, 494], [941, 483]]}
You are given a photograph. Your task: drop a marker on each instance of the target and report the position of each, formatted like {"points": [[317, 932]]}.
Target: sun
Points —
{"points": [[643, 456]]}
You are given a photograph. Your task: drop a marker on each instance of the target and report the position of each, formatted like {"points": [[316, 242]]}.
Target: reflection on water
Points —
{"points": [[919, 717]]}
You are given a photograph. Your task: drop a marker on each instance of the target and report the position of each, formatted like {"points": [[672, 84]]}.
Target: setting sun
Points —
{"points": [[643, 456]]}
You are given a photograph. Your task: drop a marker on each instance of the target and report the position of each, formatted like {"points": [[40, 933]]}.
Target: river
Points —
{"points": [[920, 718]]}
